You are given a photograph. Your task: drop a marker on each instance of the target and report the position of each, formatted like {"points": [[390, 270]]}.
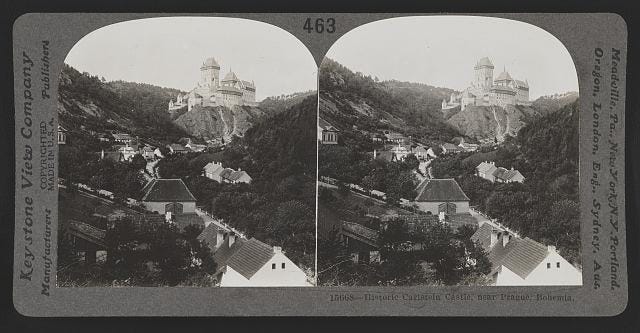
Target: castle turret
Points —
{"points": [[210, 74], [483, 74]]}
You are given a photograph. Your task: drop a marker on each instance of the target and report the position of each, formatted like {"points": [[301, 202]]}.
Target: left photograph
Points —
{"points": [[187, 156]]}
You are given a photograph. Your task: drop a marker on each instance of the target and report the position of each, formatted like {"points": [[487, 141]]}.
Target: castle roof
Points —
{"points": [[503, 89], [210, 62], [484, 62], [440, 190], [231, 76], [522, 84], [504, 76]]}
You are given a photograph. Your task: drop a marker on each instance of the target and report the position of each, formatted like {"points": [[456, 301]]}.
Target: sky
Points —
{"points": [[168, 52], [442, 51]]}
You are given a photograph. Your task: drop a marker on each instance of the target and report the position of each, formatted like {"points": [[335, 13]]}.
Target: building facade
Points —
{"points": [[487, 91], [441, 195], [211, 91]]}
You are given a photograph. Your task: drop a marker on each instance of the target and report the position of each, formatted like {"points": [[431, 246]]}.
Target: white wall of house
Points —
{"points": [[461, 206], [565, 275], [267, 276], [187, 207]]}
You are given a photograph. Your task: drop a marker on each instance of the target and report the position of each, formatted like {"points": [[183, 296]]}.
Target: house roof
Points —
{"points": [[440, 190], [177, 147], [520, 256], [325, 125], [231, 76], [121, 136], [484, 62], [250, 257], [210, 236], [163, 190], [187, 219], [522, 84], [505, 174], [483, 236], [235, 175], [213, 168], [211, 62], [486, 167], [368, 234], [450, 146]]}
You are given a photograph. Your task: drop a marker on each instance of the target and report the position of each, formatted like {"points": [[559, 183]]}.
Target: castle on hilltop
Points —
{"points": [[485, 91], [211, 91]]}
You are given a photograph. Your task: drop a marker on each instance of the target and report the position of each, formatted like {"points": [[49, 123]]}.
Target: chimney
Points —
{"points": [[167, 217], [277, 249], [505, 238], [375, 153], [494, 237], [102, 155], [219, 238], [441, 217], [232, 238], [551, 248]]}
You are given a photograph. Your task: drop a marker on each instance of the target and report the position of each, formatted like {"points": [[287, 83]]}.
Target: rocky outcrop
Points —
{"points": [[488, 122], [211, 122]]}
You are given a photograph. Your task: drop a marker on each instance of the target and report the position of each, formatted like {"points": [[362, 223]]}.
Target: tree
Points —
{"points": [[138, 162]]}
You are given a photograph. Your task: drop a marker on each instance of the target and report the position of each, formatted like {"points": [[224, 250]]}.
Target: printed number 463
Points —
{"points": [[321, 25]]}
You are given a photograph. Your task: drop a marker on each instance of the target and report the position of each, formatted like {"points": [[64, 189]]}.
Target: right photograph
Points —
{"points": [[448, 155]]}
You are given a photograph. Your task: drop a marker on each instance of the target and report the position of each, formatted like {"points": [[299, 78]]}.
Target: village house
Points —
{"points": [[217, 172], [168, 195], [176, 148], [361, 242], [450, 148], [123, 138], [327, 133], [441, 195], [250, 262], [490, 172], [519, 261], [127, 151], [421, 153], [147, 152], [395, 137]]}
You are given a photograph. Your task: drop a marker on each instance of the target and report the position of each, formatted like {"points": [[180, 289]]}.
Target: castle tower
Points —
{"points": [[483, 75], [210, 74]]}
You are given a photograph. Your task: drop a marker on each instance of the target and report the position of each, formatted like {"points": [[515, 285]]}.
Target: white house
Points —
{"points": [[441, 195], [217, 172], [327, 133], [519, 261], [490, 172], [250, 262]]}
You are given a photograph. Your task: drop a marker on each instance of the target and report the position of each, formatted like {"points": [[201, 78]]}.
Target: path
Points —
{"points": [[499, 135]]}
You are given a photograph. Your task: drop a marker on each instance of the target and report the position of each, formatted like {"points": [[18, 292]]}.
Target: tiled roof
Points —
{"points": [[484, 62], [187, 219], [486, 168], [505, 174], [450, 146], [440, 190], [213, 168], [482, 236], [520, 256], [250, 257], [504, 76], [325, 125], [231, 76], [167, 190], [210, 236], [235, 175], [177, 147], [224, 252], [211, 62], [357, 229]]}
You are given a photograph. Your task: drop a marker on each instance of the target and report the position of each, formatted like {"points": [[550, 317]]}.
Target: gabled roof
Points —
{"points": [[486, 168], [225, 252], [482, 236], [213, 168], [177, 147], [505, 174], [450, 146], [250, 257], [440, 190], [365, 234], [163, 190], [210, 236], [520, 256], [235, 175], [325, 125]]}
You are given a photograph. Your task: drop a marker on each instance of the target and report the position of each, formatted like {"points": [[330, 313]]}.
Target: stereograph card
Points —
{"points": [[320, 164]]}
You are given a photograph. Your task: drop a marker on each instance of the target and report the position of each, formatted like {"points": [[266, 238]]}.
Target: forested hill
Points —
{"points": [[348, 98], [280, 145], [135, 108]]}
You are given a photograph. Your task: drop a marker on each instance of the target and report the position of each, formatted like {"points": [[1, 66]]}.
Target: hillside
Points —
{"points": [[547, 104], [275, 104], [89, 103], [348, 98], [488, 122], [210, 122]]}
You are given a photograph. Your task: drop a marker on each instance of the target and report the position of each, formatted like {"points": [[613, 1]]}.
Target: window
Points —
{"points": [[558, 264], [548, 265], [273, 266], [282, 265]]}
